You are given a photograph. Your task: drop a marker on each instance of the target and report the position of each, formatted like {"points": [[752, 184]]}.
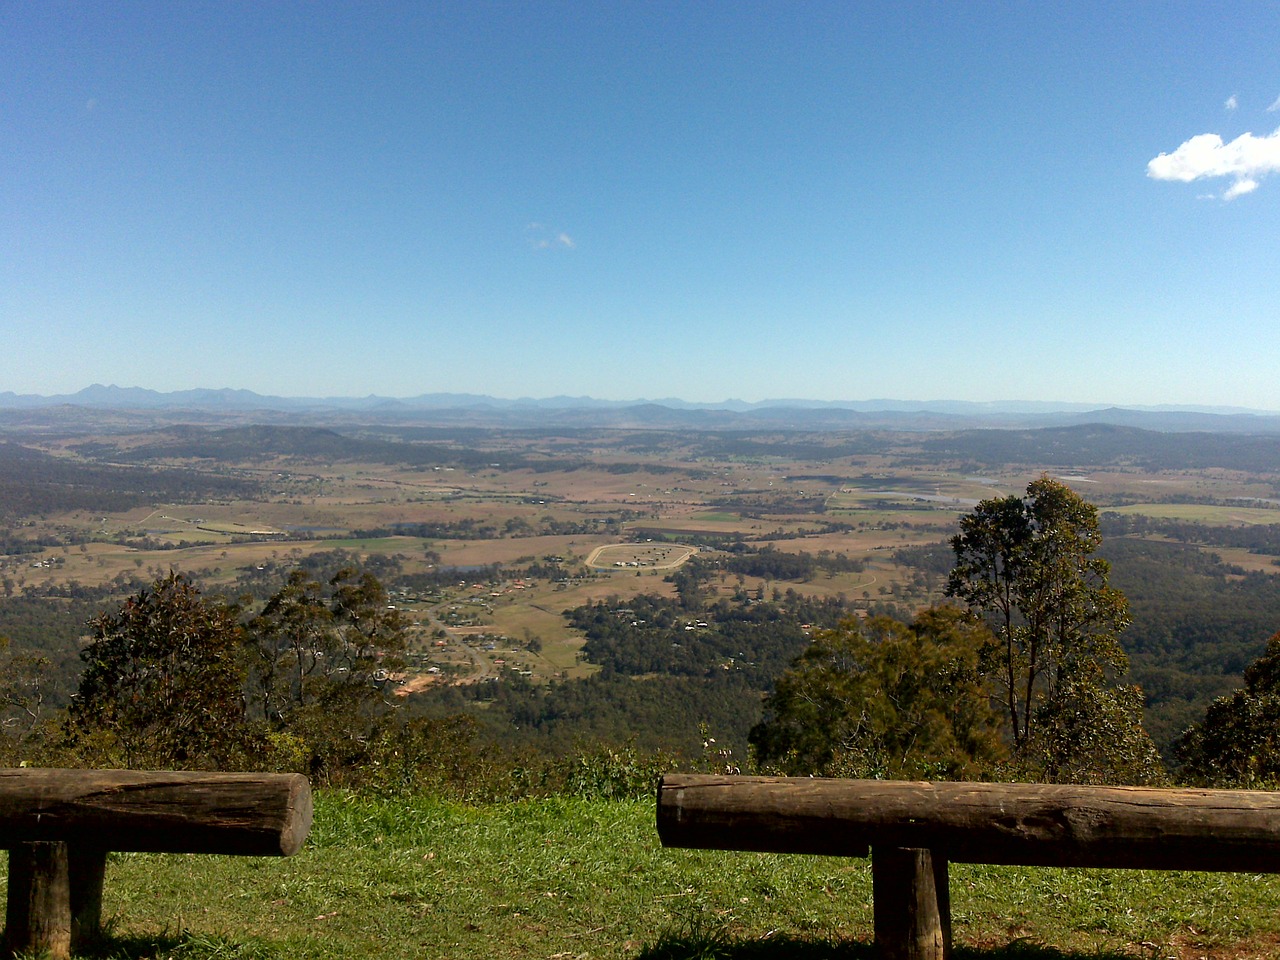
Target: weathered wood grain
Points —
{"points": [[251, 814], [912, 904], [38, 911], [1005, 823]]}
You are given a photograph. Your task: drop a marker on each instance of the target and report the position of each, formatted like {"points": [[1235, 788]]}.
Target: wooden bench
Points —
{"points": [[59, 826], [912, 830]]}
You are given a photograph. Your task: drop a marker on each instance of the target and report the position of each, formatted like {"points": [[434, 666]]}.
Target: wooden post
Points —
{"points": [[38, 916], [86, 869], [915, 829], [55, 824], [912, 904]]}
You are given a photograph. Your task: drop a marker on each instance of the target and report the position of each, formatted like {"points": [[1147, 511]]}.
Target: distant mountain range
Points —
{"points": [[216, 405]]}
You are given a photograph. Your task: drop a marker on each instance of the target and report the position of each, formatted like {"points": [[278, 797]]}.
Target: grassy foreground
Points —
{"points": [[563, 878]]}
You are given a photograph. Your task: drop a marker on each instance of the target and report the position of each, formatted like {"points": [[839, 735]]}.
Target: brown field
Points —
{"points": [[648, 508]]}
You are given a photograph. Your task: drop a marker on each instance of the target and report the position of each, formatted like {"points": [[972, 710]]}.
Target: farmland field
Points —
{"points": [[488, 537]]}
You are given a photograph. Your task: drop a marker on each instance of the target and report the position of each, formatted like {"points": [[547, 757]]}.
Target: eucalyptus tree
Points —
{"points": [[163, 683], [321, 658], [884, 699], [174, 678], [1027, 566]]}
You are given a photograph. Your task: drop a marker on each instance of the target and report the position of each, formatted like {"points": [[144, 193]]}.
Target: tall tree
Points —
{"points": [[884, 699], [287, 644], [320, 659], [1091, 732], [1026, 566], [163, 681]]}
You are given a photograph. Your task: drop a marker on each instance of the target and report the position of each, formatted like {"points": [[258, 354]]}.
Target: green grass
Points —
{"points": [[568, 878], [1213, 515]]}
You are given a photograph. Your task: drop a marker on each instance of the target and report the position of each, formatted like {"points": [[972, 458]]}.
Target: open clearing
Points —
{"points": [[653, 556], [1211, 514]]}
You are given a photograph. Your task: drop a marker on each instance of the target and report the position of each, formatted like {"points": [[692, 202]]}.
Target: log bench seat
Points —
{"points": [[912, 830], [59, 826]]}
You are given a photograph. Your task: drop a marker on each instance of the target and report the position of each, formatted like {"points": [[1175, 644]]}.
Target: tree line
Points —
{"points": [[177, 679]]}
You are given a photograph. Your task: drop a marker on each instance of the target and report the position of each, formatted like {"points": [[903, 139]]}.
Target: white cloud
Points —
{"points": [[1246, 159], [541, 237], [1232, 102], [1274, 106], [1240, 188]]}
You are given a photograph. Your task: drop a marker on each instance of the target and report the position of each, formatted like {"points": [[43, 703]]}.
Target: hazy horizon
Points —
{"points": [[564, 399]]}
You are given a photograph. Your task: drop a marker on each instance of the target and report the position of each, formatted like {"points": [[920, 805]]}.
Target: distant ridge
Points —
{"points": [[667, 413]]}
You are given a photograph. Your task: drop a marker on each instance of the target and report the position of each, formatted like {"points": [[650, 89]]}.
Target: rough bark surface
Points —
{"points": [[1007, 823], [38, 911], [912, 904], [252, 814]]}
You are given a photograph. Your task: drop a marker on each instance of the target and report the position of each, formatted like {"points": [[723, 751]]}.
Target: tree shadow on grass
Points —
{"points": [[182, 946], [785, 947]]}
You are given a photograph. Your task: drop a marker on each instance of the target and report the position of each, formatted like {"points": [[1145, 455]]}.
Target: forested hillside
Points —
{"points": [[1102, 445], [32, 482], [1197, 623]]}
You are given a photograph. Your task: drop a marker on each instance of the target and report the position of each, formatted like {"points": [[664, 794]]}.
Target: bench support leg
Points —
{"points": [[87, 867], [912, 904], [55, 898], [38, 915]]}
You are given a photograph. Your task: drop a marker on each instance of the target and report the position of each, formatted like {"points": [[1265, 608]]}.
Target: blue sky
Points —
{"points": [[697, 200]]}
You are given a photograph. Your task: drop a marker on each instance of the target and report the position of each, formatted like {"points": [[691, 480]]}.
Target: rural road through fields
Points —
{"points": [[483, 667]]}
